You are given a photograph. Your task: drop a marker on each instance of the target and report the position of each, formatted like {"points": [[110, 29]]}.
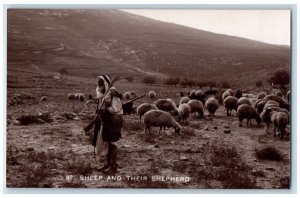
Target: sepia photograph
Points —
{"points": [[149, 98]]}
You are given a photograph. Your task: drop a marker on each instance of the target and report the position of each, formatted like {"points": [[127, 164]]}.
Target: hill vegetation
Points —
{"points": [[91, 42]]}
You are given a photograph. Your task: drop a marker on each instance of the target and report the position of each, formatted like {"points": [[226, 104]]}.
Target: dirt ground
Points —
{"points": [[57, 153]]}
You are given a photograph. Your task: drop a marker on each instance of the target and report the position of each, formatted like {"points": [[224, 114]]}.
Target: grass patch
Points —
{"points": [[79, 166], [227, 167], [269, 153], [284, 183], [232, 179], [37, 169]]}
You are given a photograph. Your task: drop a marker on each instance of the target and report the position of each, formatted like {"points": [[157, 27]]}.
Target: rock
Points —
{"points": [[215, 127], [156, 146], [227, 131], [172, 142], [51, 148], [126, 146], [206, 128], [226, 126]]}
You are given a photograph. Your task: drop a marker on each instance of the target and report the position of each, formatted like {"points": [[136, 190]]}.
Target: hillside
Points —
{"points": [[89, 42]]}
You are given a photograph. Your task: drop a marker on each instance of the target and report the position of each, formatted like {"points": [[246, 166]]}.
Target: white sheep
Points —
{"points": [[248, 112], [184, 100], [261, 95], [144, 108], [211, 105], [71, 96], [193, 93], [167, 105], [77, 95], [158, 118], [230, 103], [282, 103], [280, 120], [244, 100], [126, 95], [184, 111], [267, 113], [228, 92], [196, 107], [225, 95], [152, 95]]}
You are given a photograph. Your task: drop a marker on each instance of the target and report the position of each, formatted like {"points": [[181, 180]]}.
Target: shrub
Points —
{"points": [[280, 77], [269, 153], [149, 80]]}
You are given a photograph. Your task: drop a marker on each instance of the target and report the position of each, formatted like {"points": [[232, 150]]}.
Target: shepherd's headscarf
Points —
{"points": [[106, 81]]}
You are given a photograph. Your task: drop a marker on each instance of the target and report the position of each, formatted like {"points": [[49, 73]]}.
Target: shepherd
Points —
{"points": [[108, 123]]}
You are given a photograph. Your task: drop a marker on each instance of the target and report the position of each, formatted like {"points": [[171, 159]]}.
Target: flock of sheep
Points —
{"points": [[271, 109]]}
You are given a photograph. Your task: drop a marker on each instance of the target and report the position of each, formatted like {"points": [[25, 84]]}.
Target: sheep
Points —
{"points": [[81, 97], [193, 93], [184, 111], [184, 100], [133, 94], [211, 105], [126, 95], [238, 94], [160, 118], [244, 100], [282, 103], [43, 98], [144, 108], [260, 104], [249, 112], [266, 116], [226, 94], [280, 120], [196, 107], [152, 95], [128, 108], [167, 105], [230, 103], [261, 95], [271, 104], [71, 96], [200, 96], [77, 96]]}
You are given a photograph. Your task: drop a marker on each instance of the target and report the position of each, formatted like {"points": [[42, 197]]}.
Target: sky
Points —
{"points": [[269, 26]]}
